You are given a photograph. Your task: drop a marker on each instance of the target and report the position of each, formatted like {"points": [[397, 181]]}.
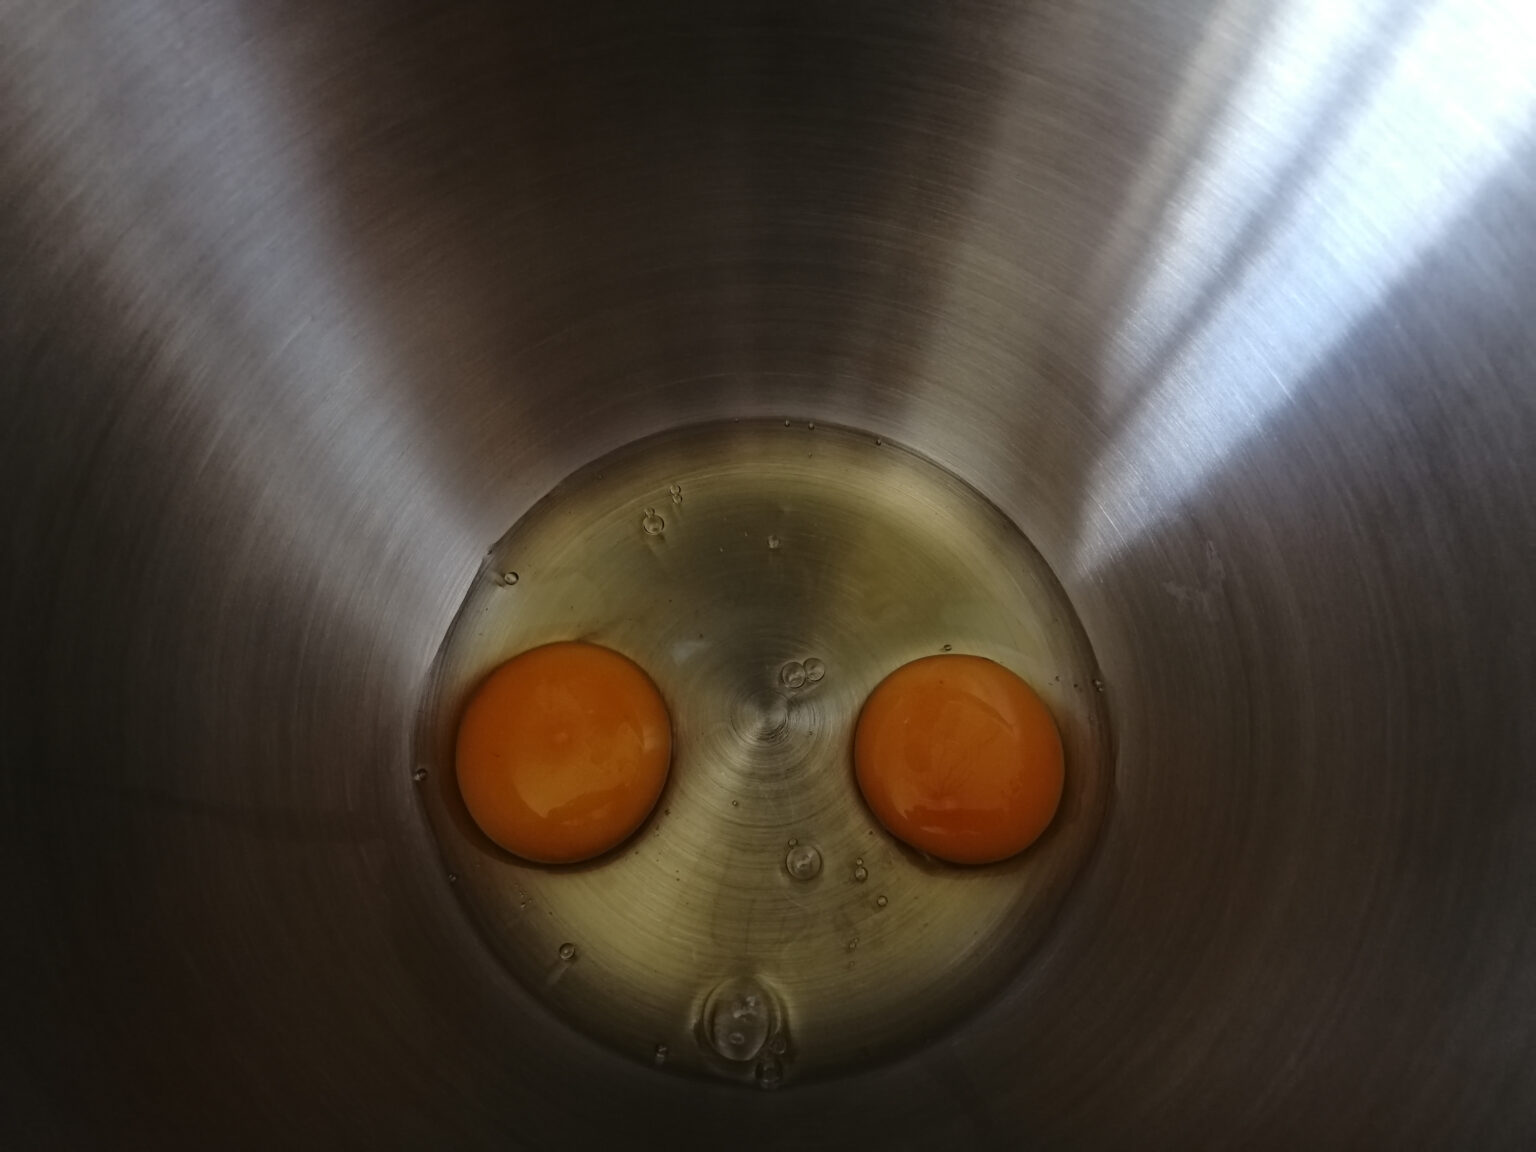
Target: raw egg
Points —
{"points": [[562, 752], [959, 758]]}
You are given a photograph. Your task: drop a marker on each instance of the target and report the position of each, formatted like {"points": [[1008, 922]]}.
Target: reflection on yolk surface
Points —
{"points": [[959, 758], [562, 752]]}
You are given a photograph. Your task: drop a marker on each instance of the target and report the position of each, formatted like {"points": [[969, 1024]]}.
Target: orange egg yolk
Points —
{"points": [[959, 758], [562, 752]]}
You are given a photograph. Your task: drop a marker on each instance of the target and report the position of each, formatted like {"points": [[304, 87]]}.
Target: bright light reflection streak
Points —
{"points": [[303, 437], [1456, 96]]}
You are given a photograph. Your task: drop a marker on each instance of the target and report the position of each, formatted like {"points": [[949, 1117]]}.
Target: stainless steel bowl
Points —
{"points": [[1228, 305]]}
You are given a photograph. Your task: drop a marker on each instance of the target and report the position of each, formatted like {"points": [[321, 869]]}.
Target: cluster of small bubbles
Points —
{"points": [[737, 1020], [803, 861], [770, 1071], [815, 669], [660, 1055], [677, 493], [881, 901], [509, 578], [453, 877], [853, 944], [652, 523], [419, 775], [773, 543], [861, 873], [1098, 685], [567, 951], [793, 674]]}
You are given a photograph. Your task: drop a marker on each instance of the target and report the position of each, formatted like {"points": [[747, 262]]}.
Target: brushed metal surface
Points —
{"points": [[729, 561], [1226, 303]]}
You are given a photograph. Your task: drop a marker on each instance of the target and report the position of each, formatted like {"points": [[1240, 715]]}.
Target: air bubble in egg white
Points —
{"points": [[738, 1016], [803, 861]]}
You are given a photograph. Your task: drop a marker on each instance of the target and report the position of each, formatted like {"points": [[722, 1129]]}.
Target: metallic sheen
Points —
{"points": [[1227, 304]]}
